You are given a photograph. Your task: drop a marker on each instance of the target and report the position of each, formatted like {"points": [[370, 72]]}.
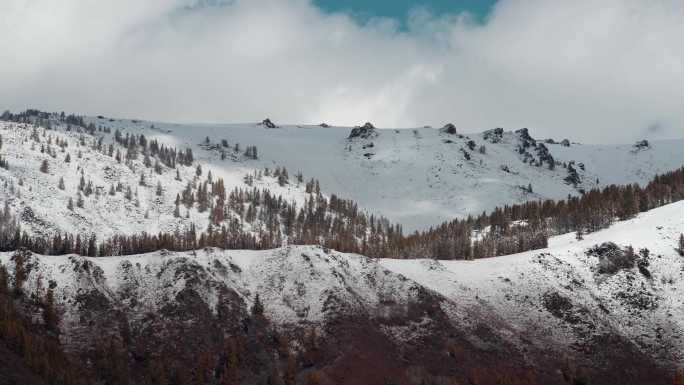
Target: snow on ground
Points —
{"points": [[419, 177], [297, 284], [415, 177], [649, 310], [42, 206], [554, 294]]}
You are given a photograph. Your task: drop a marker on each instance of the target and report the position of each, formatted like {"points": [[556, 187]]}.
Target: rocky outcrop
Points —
{"points": [[449, 128], [494, 136], [268, 123], [641, 145], [365, 132]]}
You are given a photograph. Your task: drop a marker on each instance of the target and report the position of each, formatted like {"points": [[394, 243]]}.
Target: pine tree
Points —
{"points": [[257, 307], [61, 184], [290, 370], [70, 204], [176, 212], [142, 179], [44, 166], [231, 372], [157, 167], [49, 312], [67, 158], [681, 245], [79, 200], [275, 378], [178, 177], [112, 191], [159, 191], [4, 281]]}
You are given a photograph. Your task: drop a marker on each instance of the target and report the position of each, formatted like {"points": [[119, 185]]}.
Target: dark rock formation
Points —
{"points": [[268, 123], [494, 136], [366, 131], [449, 129]]}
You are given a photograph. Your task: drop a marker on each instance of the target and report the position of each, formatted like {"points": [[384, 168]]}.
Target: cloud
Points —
{"points": [[607, 71]]}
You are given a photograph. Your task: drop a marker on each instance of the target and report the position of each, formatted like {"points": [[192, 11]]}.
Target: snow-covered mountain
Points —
{"points": [[573, 300], [421, 177], [415, 177], [605, 307]]}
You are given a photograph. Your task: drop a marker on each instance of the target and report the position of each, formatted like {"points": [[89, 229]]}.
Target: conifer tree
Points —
{"points": [[61, 184], [275, 378], [681, 245], [231, 372], [159, 191], [290, 370], [50, 313], [257, 307], [4, 281], [44, 166], [70, 204]]}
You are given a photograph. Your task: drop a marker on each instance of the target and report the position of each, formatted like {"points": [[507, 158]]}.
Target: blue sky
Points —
{"points": [[398, 9]]}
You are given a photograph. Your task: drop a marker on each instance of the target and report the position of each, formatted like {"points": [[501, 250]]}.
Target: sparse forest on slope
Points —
{"points": [[591, 311], [180, 260], [123, 189]]}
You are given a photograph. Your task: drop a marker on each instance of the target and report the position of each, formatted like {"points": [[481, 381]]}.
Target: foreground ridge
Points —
{"points": [[620, 301]]}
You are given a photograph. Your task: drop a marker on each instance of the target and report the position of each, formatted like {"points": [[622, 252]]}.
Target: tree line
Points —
{"points": [[252, 218]]}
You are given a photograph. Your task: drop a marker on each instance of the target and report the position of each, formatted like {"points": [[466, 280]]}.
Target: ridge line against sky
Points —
{"points": [[606, 71]]}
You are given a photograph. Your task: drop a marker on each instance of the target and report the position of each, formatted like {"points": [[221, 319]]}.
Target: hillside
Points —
{"points": [[604, 311], [421, 177], [416, 178]]}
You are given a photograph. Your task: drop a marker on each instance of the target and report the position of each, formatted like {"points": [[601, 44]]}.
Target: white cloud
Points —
{"points": [[605, 71]]}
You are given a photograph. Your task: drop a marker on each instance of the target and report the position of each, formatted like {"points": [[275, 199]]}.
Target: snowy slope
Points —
{"points": [[420, 177], [556, 295], [647, 310], [41, 205]]}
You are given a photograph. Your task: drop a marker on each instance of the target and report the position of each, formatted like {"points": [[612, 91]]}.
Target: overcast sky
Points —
{"points": [[596, 71]]}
